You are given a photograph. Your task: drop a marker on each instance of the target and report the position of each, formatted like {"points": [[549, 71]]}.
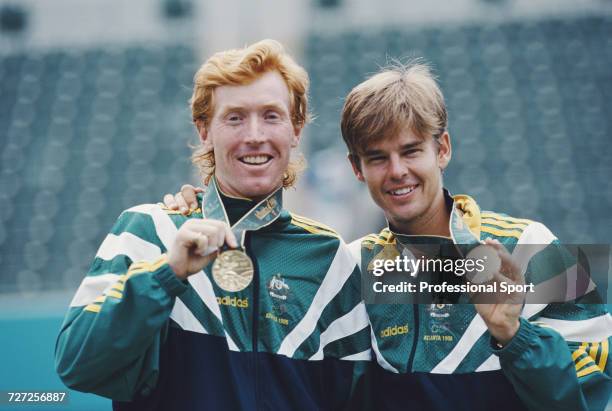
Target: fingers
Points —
{"points": [[195, 245], [509, 266], [200, 240], [181, 203], [184, 200], [227, 236], [170, 203], [230, 238], [216, 232], [512, 295], [207, 240], [189, 196], [225, 232], [177, 202]]}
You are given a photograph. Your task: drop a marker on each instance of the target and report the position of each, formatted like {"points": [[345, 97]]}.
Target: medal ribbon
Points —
{"points": [[262, 215], [465, 239]]}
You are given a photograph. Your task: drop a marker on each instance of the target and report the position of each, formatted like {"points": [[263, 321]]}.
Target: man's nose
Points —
{"points": [[397, 169], [255, 133]]}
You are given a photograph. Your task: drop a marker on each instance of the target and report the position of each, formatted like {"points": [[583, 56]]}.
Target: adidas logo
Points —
{"points": [[233, 302], [395, 330]]}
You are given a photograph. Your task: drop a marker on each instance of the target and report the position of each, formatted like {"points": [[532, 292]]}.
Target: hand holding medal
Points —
{"points": [[502, 316], [499, 311], [200, 241], [472, 248], [232, 269], [196, 244], [492, 264]]}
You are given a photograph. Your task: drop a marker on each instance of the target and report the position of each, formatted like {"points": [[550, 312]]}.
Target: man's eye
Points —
{"points": [[375, 159], [233, 118], [270, 115]]}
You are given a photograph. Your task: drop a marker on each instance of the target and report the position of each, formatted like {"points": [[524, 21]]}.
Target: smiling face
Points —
{"points": [[251, 136], [403, 175]]}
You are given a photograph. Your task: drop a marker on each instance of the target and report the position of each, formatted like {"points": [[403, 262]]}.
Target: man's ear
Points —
{"points": [[297, 134], [356, 164], [445, 150], [204, 135]]}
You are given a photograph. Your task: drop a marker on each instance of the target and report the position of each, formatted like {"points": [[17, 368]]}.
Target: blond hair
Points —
{"points": [[398, 96], [240, 67]]}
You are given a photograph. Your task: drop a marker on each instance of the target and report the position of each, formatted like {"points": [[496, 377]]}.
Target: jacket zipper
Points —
{"points": [[415, 339], [255, 322]]}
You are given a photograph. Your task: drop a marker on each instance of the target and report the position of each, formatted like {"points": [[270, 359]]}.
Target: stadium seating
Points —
{"points": [[86, 133], [527, 111], [83, 135]]}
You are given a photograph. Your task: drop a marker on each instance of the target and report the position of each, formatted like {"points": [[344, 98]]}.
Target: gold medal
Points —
{"points": [[233, 270]]}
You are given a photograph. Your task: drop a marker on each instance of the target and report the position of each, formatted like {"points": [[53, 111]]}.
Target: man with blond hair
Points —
{"points": [[240, 304], [500, 355]]}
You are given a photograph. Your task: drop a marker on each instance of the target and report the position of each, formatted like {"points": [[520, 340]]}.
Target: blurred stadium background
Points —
{"points": [[94, 118]]}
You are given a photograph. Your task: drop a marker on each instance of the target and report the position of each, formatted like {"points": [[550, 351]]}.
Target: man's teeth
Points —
{"points": [[402, 191], [255, 159]]}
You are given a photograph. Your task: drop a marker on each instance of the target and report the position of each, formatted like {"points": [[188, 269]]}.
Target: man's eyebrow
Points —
{"points": [[411, 145], [377, 152], [373, 152], [276, 105], [228, 109]]}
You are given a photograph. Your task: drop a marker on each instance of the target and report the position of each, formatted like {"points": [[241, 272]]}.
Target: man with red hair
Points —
{"points": [[240, 304]]}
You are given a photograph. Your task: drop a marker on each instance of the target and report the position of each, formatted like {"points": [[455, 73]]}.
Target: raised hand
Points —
{"points": [[502, 318], [196, 245]]}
